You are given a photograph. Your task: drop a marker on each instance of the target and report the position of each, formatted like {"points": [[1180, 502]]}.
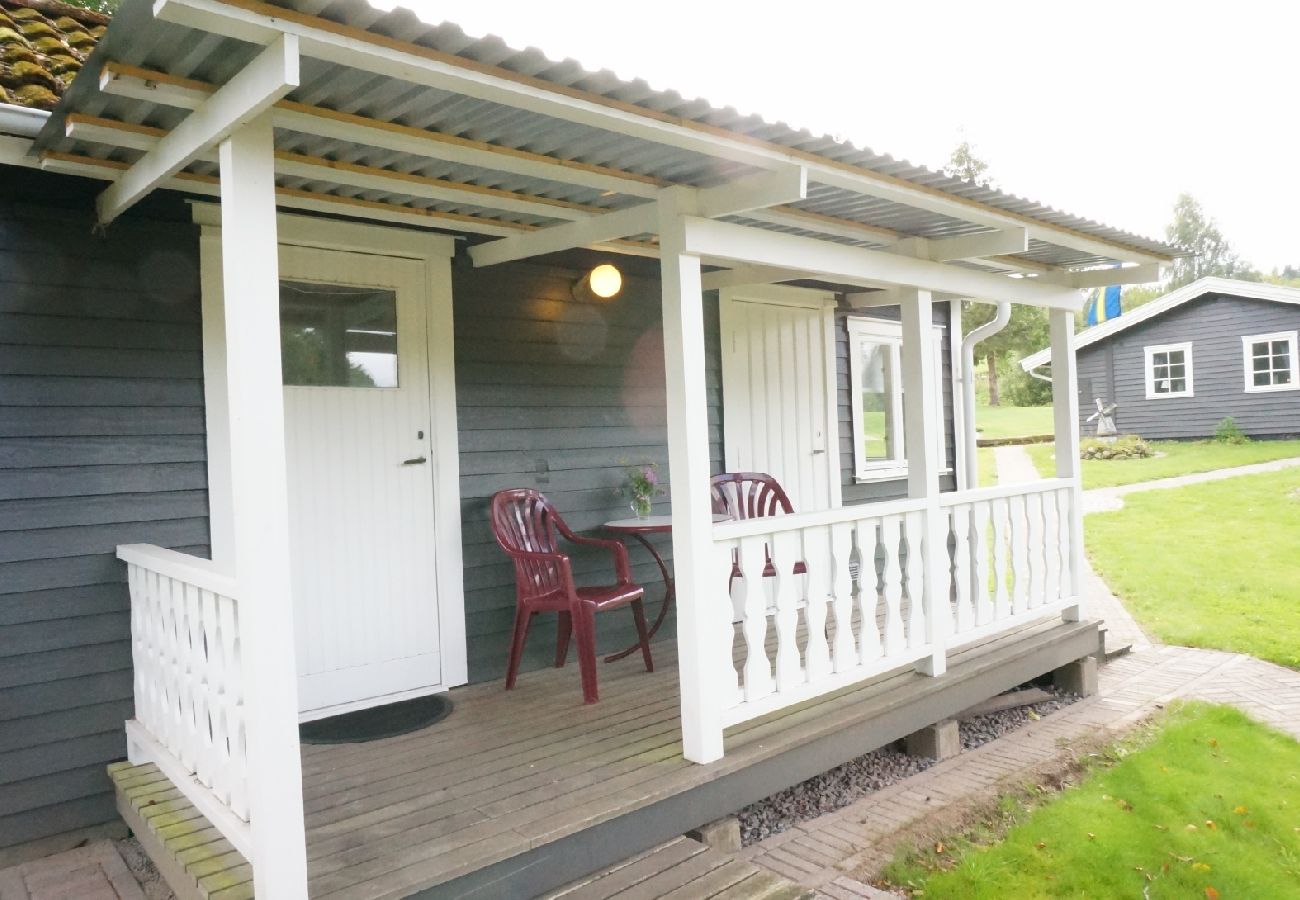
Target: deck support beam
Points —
{"points": [[260, 508], [1065, 414], [688, 462], [922, 416]]}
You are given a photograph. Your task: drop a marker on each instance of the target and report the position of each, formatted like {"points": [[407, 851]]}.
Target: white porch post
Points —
{"points": [[688, 460], [259, 509], [1065, 408], [922, 416]]}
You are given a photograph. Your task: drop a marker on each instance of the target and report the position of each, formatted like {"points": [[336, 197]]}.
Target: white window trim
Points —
{"points": [[1248, 362], [1149, 352], [886, 331]]}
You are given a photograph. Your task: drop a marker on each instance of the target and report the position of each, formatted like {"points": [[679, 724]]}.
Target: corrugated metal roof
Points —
{"points": [[135, 38]]}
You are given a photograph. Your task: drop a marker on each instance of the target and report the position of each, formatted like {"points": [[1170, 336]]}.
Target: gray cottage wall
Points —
{"points": [[1114, 369], [101, 443]]}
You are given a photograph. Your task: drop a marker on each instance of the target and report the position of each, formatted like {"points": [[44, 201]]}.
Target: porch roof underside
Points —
{"points": [[431, 150]]}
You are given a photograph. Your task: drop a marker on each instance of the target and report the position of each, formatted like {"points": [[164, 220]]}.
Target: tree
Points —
{"points": [[1210, 252], [964, 164], [1026, 332]]}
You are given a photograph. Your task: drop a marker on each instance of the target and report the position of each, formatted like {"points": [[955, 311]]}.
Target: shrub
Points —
{"points": [[1227, 432], [1129, 446], [1016, 387]]}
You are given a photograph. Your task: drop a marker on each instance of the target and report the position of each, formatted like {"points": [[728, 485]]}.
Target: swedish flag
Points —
{"points": [[1105, 305]]}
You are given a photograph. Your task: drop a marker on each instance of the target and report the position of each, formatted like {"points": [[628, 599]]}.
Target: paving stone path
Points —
{"points": [[823, 853], [93, 872]]}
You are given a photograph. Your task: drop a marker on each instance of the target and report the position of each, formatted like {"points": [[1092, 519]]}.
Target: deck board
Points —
{"points": [[533, 777]]}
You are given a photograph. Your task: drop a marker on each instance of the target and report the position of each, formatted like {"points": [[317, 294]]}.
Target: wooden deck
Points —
{"points": [[519, 793]]}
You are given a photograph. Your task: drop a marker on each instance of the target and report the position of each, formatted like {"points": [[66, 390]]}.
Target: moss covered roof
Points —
{"points": [[43, 44]]}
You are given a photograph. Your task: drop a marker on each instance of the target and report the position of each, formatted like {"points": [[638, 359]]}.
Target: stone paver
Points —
{"points": [[1131, 688], [93, 872]]}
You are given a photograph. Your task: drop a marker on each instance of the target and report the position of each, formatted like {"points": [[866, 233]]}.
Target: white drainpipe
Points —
{"points": [[966, 381], [21, 121]]}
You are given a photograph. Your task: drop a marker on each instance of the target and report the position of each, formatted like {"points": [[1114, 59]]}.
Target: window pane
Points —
{"points": [[1160, 359], [1263, 379], [1280, 348], [1177, 385], [1261, 364], [877, 403], [1259, 348], [1282, 377], [1281, 358], [1176, 357], [336, 336]]}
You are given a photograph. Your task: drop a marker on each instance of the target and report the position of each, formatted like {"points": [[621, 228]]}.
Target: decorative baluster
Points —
{"points": [[219, 678], [194, 676], [170, 663], [724, 617], [979, 554], [1019, 553], [757, 666], [841, 553], [959, 527], [1036, 545], [865, 536], [1001, 539], [891, 534], [817, 558], [232, 644], [914, 529], [1051, 545], [1065, 521], [785, 550]]}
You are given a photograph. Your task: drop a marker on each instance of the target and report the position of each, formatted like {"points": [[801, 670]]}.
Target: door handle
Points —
{"points": [[415, 461]]}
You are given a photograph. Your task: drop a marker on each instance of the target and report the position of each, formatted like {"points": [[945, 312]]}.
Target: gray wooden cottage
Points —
{"points": [[1177, 366], [204, 541]]}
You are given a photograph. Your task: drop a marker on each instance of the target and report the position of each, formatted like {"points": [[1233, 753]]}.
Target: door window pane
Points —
{"points": [[338, 336]]}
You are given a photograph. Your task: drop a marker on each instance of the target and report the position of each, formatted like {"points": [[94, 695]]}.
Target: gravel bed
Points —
{"points": [[872, 771]]}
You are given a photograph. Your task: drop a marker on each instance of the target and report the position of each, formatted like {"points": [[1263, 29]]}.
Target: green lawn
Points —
{"points": [[1207, 806], [1209, 565], [988, 466], [1178, 458], [1012, 421]]}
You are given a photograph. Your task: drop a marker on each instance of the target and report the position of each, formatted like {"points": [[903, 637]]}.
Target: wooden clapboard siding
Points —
{"points": [[1114, 369], [101, 443]]}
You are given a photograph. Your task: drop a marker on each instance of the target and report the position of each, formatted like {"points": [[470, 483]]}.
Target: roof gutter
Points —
{"points": [[21, 120], [967, 383]]}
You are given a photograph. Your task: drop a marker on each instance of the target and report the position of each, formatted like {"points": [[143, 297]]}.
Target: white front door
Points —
{"points": [[778, 387], [360, 465]]}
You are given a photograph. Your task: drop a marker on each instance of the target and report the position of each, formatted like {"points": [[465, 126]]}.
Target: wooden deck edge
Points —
{"points": [[560, 862], [192, 857]]}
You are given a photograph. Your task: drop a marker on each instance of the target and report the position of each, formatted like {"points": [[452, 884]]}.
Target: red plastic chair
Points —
{"points": [[528, 528], [751, 495]]}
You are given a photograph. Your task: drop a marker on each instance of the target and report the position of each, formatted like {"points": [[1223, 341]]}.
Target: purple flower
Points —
{"points": [[651, 476]]}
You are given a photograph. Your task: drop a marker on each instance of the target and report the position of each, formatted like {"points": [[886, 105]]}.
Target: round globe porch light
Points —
{"points": [[605, 281]]}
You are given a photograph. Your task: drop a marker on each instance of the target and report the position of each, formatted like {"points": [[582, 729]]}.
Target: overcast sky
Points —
{"points": [[1107, 110]]}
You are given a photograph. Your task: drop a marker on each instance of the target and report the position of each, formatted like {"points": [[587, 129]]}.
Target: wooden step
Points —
{"points": [[192, 856]]}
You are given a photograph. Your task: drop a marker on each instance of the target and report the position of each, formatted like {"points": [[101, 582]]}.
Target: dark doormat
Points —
{"points": [[377, 722]]}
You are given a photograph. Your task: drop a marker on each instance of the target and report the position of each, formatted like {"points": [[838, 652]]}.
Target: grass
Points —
{"points": [[1209, 565], [1013, 421], [988, 464], [1174, 458], [1204, 805]]}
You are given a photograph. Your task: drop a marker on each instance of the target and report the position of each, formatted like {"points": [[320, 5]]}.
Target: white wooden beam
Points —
{"points": [[787, 184], [836, 262], [922, 417], [703, 637], [1095, 278], [151, 90], [1065, 417], [794, 217], [744, 276], [966, 246], [260, 508], [260, 23], [640, 219], [271, 75]]}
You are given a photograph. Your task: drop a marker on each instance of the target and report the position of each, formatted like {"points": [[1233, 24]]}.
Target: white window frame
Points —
{"points": [[889, 333], [1149, 353], [1248, 362]]}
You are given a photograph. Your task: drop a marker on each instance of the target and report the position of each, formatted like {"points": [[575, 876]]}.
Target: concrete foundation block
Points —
{"points": [[941, 740], [1078, 677], [723, 834]]}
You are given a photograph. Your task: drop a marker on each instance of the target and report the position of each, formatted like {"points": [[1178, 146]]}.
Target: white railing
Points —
{"points": [[189, 689], [1011, 555], [822, 600]]}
